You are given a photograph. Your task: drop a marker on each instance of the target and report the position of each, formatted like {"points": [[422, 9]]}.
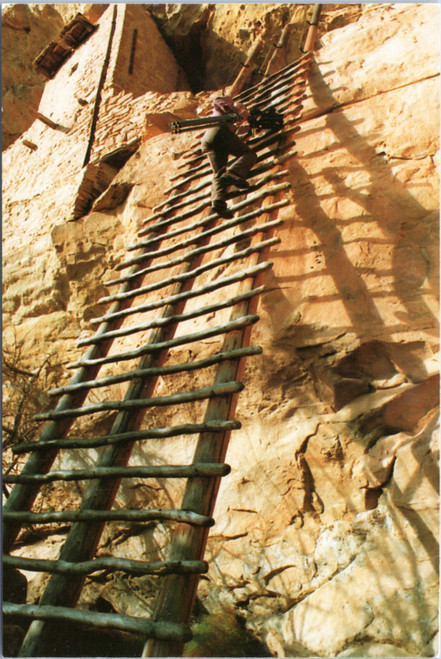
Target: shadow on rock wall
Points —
{"points": [[357, 592]]}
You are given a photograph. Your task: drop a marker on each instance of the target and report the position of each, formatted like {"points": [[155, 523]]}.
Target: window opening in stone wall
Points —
{"points": [[132, 52], [59, 50]]}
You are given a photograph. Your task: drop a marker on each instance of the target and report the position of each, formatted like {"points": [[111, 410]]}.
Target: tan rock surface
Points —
{"points": [[327, 527]]}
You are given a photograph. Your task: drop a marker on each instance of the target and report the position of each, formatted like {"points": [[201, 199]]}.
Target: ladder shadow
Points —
{"points": [[377, 202]]}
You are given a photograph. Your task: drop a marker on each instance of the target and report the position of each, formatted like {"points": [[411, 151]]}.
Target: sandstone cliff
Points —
{"points": [[327, 527]]}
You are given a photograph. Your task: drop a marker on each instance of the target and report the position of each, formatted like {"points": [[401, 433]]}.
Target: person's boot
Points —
{"points": [[221, 209], [232, 179]]}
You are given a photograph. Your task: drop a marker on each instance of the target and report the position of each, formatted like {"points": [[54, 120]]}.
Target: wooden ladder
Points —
{"points": [[179, 240]]}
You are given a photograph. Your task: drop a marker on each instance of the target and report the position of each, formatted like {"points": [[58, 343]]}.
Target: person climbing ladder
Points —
{"points": [[218, 143]]}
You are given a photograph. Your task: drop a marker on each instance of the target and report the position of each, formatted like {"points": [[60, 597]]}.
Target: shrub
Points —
{"points": [[223, 634]]}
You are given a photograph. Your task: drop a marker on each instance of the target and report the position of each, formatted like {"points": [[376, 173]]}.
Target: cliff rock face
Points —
{"points": [[327, 528]]}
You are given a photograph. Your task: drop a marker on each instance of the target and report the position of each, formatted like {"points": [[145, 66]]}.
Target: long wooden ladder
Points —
{"points": [[179, 239]]}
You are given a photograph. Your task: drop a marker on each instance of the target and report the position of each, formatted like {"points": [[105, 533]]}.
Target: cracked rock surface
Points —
{"points": [[326, 533]]}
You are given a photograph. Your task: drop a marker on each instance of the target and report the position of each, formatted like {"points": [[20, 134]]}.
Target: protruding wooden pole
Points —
{"points": [[312, 32], [246, 69], [273, 63]]}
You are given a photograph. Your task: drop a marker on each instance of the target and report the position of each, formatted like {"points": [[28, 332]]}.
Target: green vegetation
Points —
{"points": [[223, 634]]}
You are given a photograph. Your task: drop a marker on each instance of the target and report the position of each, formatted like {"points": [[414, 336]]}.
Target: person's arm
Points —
{"points": [[242, 110], [243, 125]]}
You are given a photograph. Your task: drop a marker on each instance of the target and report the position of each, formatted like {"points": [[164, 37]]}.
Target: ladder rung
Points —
{"points": [[201, 185], [187, 171], [186, 295], [126, 515], [167, 320], [274, 137], [264, 96], [127, 437], [156, 371], [284, 90], [158, 630], [202, 223], [197, 156], [205, 234], [225, 242], [190, 274], [270, 98], [239, 323], [204, 170], [251, 199], [199, 470], [179, 195], [221, 389], [270, 80], [189, 198], [106, 563]]}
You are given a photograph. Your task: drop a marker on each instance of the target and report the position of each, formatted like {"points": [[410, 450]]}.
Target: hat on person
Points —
{"points": [[223, 104]]}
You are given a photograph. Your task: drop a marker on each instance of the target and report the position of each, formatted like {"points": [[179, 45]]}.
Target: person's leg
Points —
{"points": [[218, 162], [213, 147], [246, 157], [243, 164]]}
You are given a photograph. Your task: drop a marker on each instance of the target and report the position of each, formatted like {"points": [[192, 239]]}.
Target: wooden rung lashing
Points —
{"points": [[176, 318], [106, 563], [222, 389], [201, 470], [126, 515], [158, 630], [127, 437], [186, 295], [158, 371]]}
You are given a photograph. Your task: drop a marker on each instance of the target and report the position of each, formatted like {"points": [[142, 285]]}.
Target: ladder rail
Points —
{"points": [[193, 519]]}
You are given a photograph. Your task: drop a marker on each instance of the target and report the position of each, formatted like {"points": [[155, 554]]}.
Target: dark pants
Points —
{"points": [[219, 143]]}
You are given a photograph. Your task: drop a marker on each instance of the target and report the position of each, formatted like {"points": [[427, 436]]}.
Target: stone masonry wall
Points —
{"points": [[63, 149], [26, 30]]}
